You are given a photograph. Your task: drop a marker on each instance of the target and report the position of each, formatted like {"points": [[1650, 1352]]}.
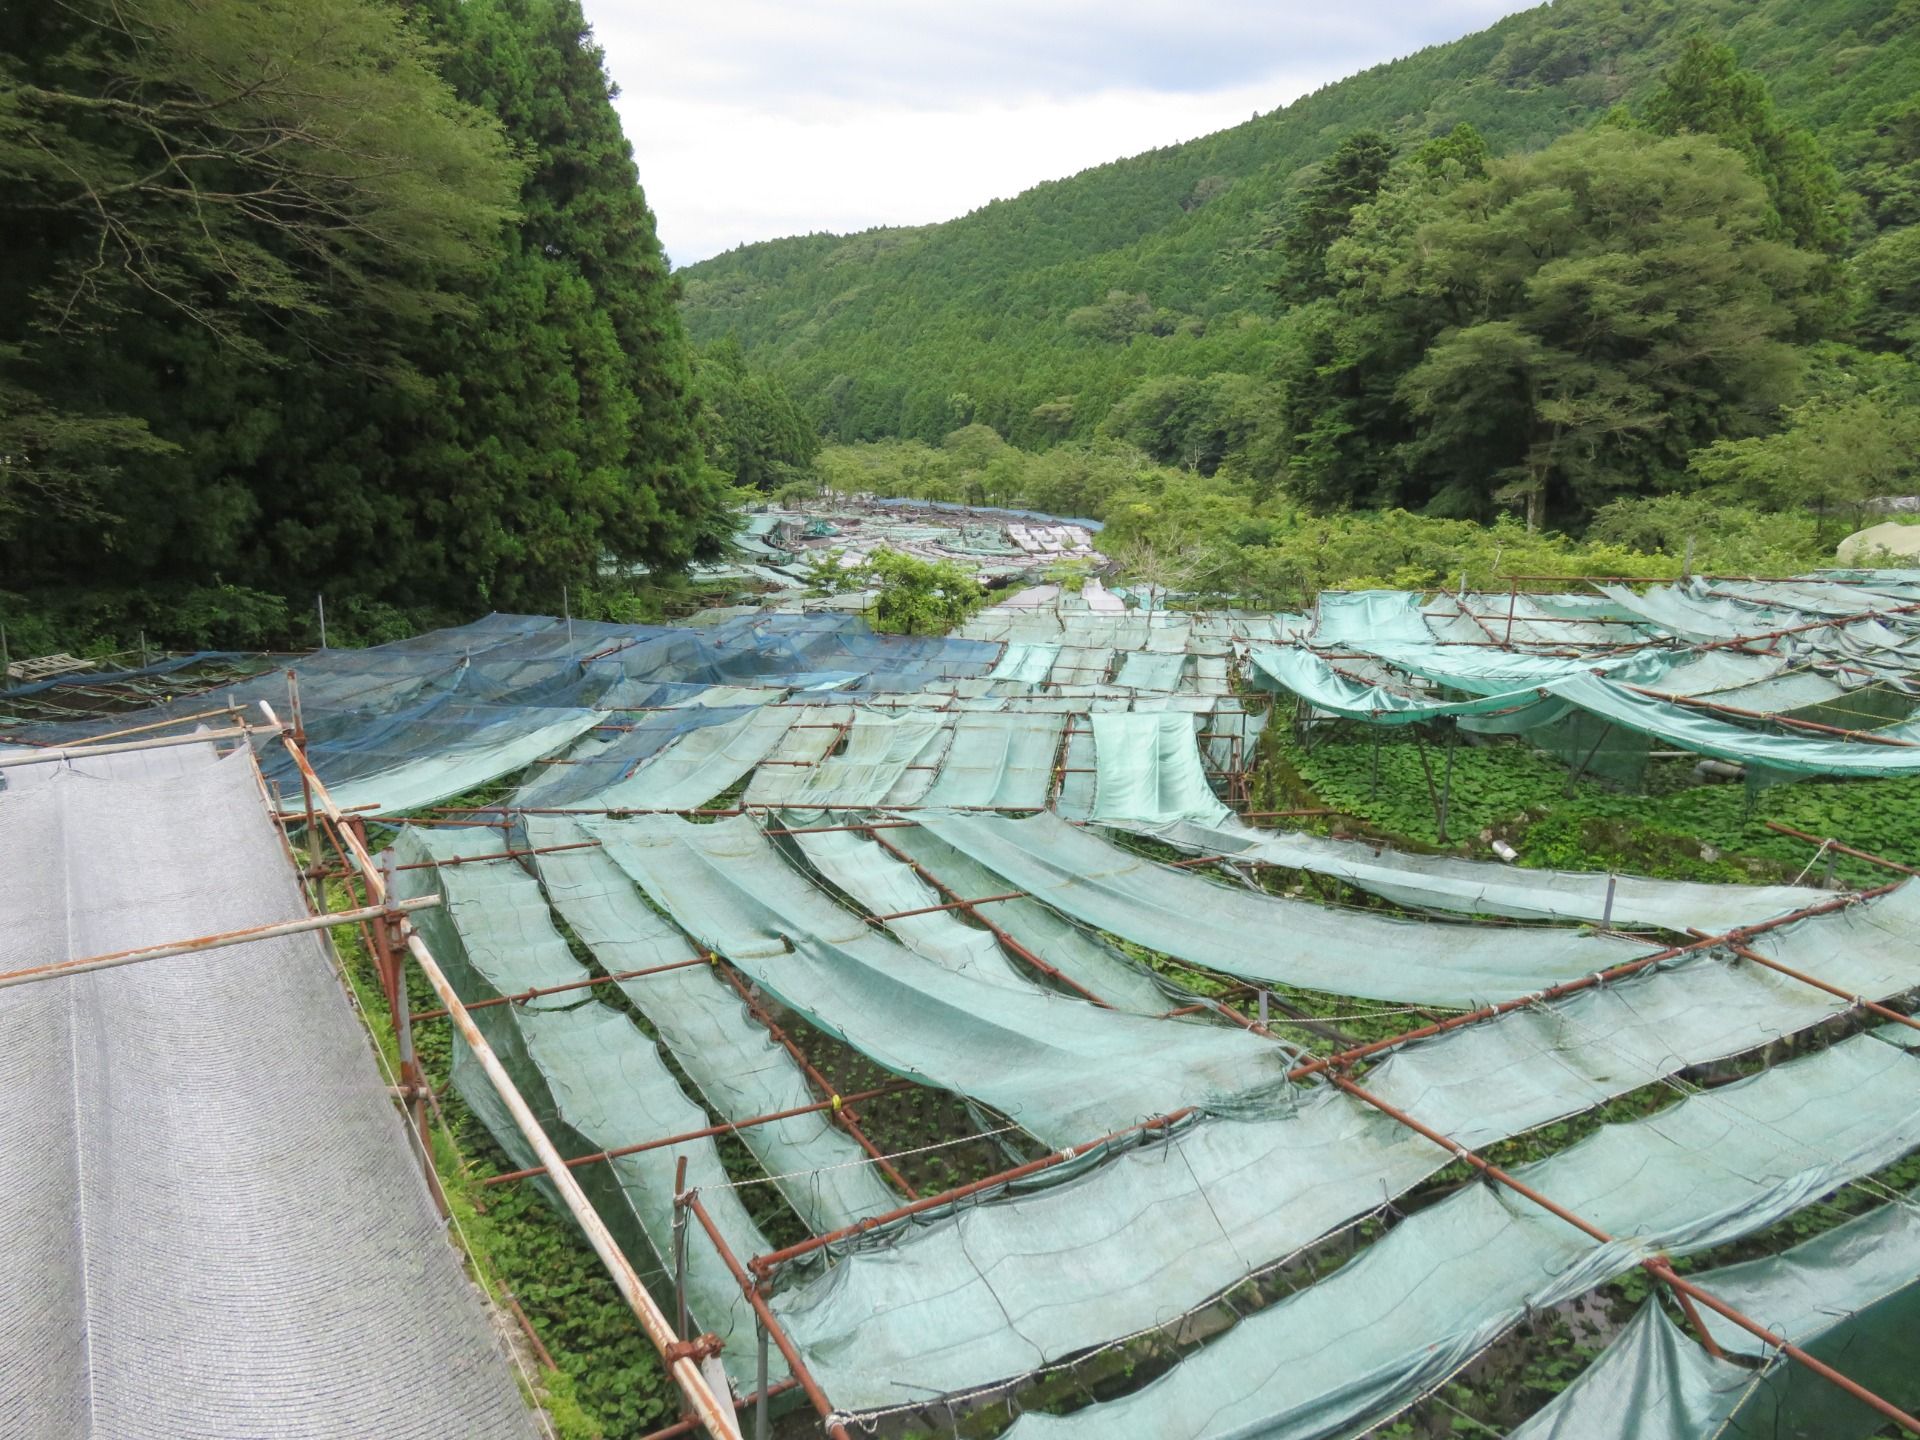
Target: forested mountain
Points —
{"points": [[348, 296], [1162, 300]]}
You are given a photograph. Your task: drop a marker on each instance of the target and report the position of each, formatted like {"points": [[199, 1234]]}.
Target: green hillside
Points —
{"points": [[1036, 315]]}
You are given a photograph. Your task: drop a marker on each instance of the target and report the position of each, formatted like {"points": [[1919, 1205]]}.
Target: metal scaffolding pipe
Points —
{"points": [[1686, 1289], [1657, 1266], [1866, 736], [522, 996], [725, 1127], [1832, 844], [1871, 1006], [795, 1365], [999, 934], [84, 751], [842, 1116], [765, 1264], [118, 958]]}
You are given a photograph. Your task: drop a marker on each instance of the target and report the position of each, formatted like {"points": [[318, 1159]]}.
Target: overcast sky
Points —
{"points": [[753, 119]]}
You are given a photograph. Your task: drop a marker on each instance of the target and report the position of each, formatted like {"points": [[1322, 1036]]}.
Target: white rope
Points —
{"points": [[864, 1160], [1825, 845]]}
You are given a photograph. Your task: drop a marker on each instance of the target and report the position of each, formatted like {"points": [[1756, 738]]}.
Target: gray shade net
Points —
{"points": [[1060, 1067], [1097, 1253], [215, 1228], [727, 1053], [1264, 938], [1445, 1283]]}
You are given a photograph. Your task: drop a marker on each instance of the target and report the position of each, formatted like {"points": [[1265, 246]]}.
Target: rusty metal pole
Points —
{"points": [[796, 1366], [762, 1418], [680, 1247], [1656, 1266]]}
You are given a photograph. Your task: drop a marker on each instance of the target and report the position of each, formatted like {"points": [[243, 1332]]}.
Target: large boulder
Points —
{"points": [[1887, 538]]}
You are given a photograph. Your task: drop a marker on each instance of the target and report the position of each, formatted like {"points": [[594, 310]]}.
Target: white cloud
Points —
{"points": [[752, 119]]}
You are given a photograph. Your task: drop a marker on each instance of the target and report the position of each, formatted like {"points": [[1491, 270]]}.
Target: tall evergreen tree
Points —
{"points": [[563, 425], [1705, 92], [1350, 178]]}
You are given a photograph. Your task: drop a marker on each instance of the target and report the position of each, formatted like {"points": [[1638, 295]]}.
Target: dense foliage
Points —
{"points": [[1539, 269], [338, 295]]}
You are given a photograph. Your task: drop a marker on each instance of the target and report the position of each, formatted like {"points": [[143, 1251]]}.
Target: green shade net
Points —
{"points": [[699, 764], [1348, 618], [1651, 1383], [1414, 1307], [1703, 733], [1850, 1297], [593, 1080], [1490, 670], [1149, 769], [1062, 1068], [1483, 887], [1146, 670], [728, 1054], [1264, 938], [999, 760], [1305, 674], [1025, 664], [1089, 1253], [878, 752], [1070, 948]]}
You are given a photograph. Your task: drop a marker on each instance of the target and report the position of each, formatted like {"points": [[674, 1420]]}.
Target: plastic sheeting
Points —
{"points": [[1062, 1068], [1001, 760], [1262, 937], [215, 1229], [727, 1053], [1445, 1283], [1484, 887], [974, 1297], [594, 1080], [1149, 769]]}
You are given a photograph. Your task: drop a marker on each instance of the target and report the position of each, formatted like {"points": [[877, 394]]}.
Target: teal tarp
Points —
{"points": [[1851, 1297], [1446, 1282], [1323, 687], [1149, 769], [1263, 937]]}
